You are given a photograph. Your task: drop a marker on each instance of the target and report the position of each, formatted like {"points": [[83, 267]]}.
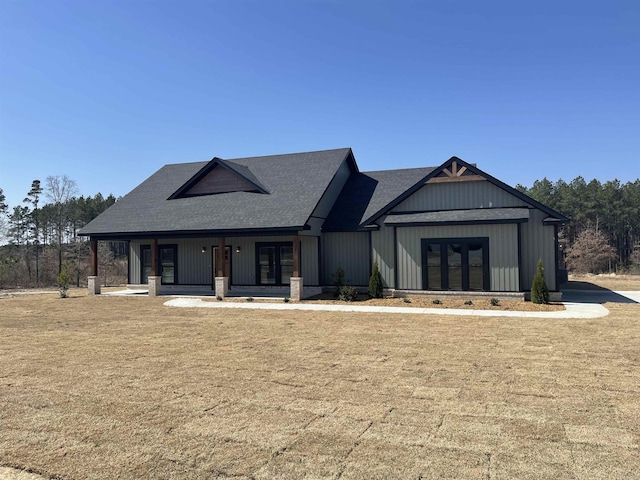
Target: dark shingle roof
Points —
{"points": [[295, 182], [480, 215], [366, 193]]}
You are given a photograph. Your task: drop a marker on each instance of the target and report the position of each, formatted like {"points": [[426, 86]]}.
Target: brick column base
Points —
{"points": [[93, 283], [155, 285], [222, 286], [296, 288]]}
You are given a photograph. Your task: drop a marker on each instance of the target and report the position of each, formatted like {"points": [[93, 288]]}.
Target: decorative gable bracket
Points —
{"points": [[453, 171]]}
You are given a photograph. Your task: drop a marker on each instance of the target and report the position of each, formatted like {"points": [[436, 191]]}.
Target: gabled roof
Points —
{"points": [[241, 171], [293, 184], [369, 192], [471, 170]]}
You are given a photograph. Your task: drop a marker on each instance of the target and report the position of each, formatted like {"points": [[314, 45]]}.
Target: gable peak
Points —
{"points": [[456, 170], [219, 176]]}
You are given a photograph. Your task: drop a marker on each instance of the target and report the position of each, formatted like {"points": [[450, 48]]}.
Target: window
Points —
{"points": [[455, 264], [274, 263], [167, 263]]}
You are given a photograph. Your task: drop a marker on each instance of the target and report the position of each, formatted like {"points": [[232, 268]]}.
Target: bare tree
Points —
{"points": [[59, 190], [590, 253]]}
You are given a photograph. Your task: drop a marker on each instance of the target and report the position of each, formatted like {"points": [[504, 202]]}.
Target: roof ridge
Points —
{"points": [[399, 169], [291, 153], [260, 156]]}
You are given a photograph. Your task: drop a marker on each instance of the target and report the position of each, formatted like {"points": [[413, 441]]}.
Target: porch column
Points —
{"points": [[155, 280], [222, 278], [93, 283], [296, 279]]}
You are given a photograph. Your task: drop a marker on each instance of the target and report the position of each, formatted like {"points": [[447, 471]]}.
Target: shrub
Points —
{"points": [[62, 282], [338, 278], [249, 299], [348, 293], [286, 299], [468, 302], [437, 301], [494, 302], [375, 282], [219, 298], [539, 289], [406, 300]]}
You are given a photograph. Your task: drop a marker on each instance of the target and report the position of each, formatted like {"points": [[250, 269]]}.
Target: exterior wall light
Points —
{"points": [[238, 249], [204, 249]]}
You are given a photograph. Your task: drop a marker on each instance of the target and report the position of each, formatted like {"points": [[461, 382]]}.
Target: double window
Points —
{"points": [[167, 263], [455, 263]]}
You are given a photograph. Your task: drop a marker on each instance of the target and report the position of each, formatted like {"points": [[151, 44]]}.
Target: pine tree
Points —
{"points": [[539, 289], [33, 197], [375, 282]]}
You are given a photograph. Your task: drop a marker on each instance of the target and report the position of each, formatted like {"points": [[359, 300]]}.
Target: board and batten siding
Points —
{"points": [[503, 253], [195, 267], [458, 196], [538, 242], [383, 253], [349, 250]]}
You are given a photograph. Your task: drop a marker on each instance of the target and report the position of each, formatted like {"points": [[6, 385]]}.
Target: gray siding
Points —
{"points": [[195, 267], [457, 196], [503, 253], [383, 252], [349, 250], [538, 242]]}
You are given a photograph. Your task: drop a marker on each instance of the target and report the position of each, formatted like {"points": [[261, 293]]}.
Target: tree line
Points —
{"points": [[604, 232], [40, 236]]}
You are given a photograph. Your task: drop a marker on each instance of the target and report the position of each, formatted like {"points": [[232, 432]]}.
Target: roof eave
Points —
{"points": [[234, 232], [459, 222]]}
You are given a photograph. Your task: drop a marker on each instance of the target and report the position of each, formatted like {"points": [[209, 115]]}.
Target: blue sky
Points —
{"points": [[107, 92]]}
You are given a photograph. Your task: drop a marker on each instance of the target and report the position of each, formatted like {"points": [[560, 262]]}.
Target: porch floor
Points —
{"points": [[206, 291]]}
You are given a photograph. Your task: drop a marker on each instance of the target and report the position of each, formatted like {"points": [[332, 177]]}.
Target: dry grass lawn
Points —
{"points": [[611, 282], [116, 387]]}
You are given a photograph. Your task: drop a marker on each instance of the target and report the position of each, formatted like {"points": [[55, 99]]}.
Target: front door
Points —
{"points": [[167, 263], [274, 263]]}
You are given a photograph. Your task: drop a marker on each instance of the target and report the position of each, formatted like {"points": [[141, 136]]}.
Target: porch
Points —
{"points": [[270, 266], [251, 291]]}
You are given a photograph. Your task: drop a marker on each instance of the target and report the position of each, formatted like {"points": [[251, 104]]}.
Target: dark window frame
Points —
{"points": [[444, 264], [174, 247], [278, 272]]}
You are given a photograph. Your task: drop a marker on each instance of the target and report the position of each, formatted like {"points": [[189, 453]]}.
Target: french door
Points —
{"points": [[455, 264], [274, 263]]}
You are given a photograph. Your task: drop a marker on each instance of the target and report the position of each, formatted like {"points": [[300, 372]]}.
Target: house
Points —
{"points": [[290, 221]]}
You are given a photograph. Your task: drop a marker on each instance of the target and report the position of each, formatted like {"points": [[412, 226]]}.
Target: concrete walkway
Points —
{"points": [[573, 310], [578, 304]]}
